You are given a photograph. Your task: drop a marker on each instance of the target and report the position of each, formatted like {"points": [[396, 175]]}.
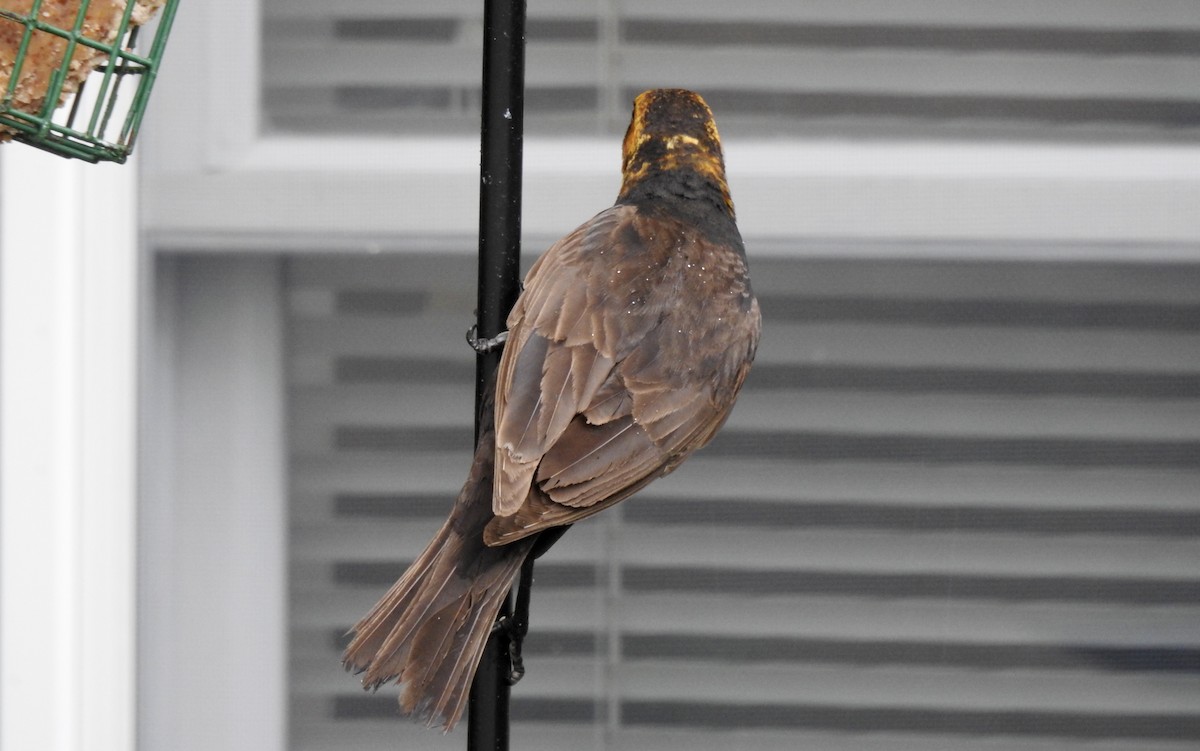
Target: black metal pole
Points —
{"points": [[499, 284]]}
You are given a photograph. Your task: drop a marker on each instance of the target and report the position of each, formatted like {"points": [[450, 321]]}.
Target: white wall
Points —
{"points": [[68, 353]]}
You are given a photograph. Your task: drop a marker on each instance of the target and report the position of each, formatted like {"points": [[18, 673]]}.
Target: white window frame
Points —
{"points": [[794, 196]]}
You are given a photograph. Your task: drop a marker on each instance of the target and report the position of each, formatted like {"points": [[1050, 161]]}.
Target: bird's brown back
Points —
{"points": [[634, 333]]}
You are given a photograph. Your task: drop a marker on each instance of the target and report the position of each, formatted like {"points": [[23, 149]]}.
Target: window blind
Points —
{"points": [[955, 508], [928, 68]]}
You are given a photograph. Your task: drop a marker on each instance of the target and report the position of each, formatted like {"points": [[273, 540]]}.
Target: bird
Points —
{"points": [[625, 353]]}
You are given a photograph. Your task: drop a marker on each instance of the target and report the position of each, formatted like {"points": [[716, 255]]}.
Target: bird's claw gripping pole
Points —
{"points": [[485, 345], [515, 626]]}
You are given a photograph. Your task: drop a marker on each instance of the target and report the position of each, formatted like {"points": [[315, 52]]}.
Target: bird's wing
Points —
{"points": [[593, 398]]}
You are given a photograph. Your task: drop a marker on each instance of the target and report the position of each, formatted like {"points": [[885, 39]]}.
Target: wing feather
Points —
{"points": [[559, 391]]}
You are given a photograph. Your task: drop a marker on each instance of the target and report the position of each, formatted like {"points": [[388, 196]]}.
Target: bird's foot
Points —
{"points": [[516, 625], [511, 627], [483, 345]]}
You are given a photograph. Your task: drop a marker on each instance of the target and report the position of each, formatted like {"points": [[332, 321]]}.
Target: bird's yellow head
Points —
{"points": [[672, 130]]}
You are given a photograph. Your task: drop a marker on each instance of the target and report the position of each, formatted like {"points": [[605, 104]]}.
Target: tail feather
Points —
{"points": [[368, 651], [428, 632], [458, 669]]}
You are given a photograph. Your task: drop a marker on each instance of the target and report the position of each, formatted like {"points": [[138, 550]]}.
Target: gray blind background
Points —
{"points": [[955, 508], [1067, 69]]}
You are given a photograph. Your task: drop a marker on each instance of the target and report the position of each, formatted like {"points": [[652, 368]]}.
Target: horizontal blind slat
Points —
{"points": [[1064, 625], [433, 406], [945, 689], [719, 479], [899, 73], [1099, 14]]}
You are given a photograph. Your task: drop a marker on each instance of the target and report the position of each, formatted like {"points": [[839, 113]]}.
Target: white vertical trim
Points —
{"points": [[67, 453], [214, 628]]}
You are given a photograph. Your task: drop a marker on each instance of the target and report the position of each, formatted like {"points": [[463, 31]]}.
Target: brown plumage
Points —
{"points": [[625, 353]]}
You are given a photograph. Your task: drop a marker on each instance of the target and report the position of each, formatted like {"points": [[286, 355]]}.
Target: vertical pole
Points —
{"points": [[499, 283], [499, 175]]}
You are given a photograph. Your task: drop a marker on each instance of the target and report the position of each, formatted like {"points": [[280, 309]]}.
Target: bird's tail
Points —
{"points": [[428, 632]]}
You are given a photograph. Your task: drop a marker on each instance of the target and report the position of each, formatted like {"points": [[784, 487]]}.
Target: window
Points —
{"points": [[944, 69], [955, 505]]}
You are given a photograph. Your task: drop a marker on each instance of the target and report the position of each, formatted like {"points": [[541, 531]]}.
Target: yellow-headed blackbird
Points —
{"points": [[625, 353]]}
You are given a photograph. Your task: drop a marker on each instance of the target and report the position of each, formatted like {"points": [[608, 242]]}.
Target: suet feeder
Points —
{"points": [[71, 79]]}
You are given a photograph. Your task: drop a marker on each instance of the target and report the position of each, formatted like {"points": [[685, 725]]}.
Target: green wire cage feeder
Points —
{"points": [[72, 77]]}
